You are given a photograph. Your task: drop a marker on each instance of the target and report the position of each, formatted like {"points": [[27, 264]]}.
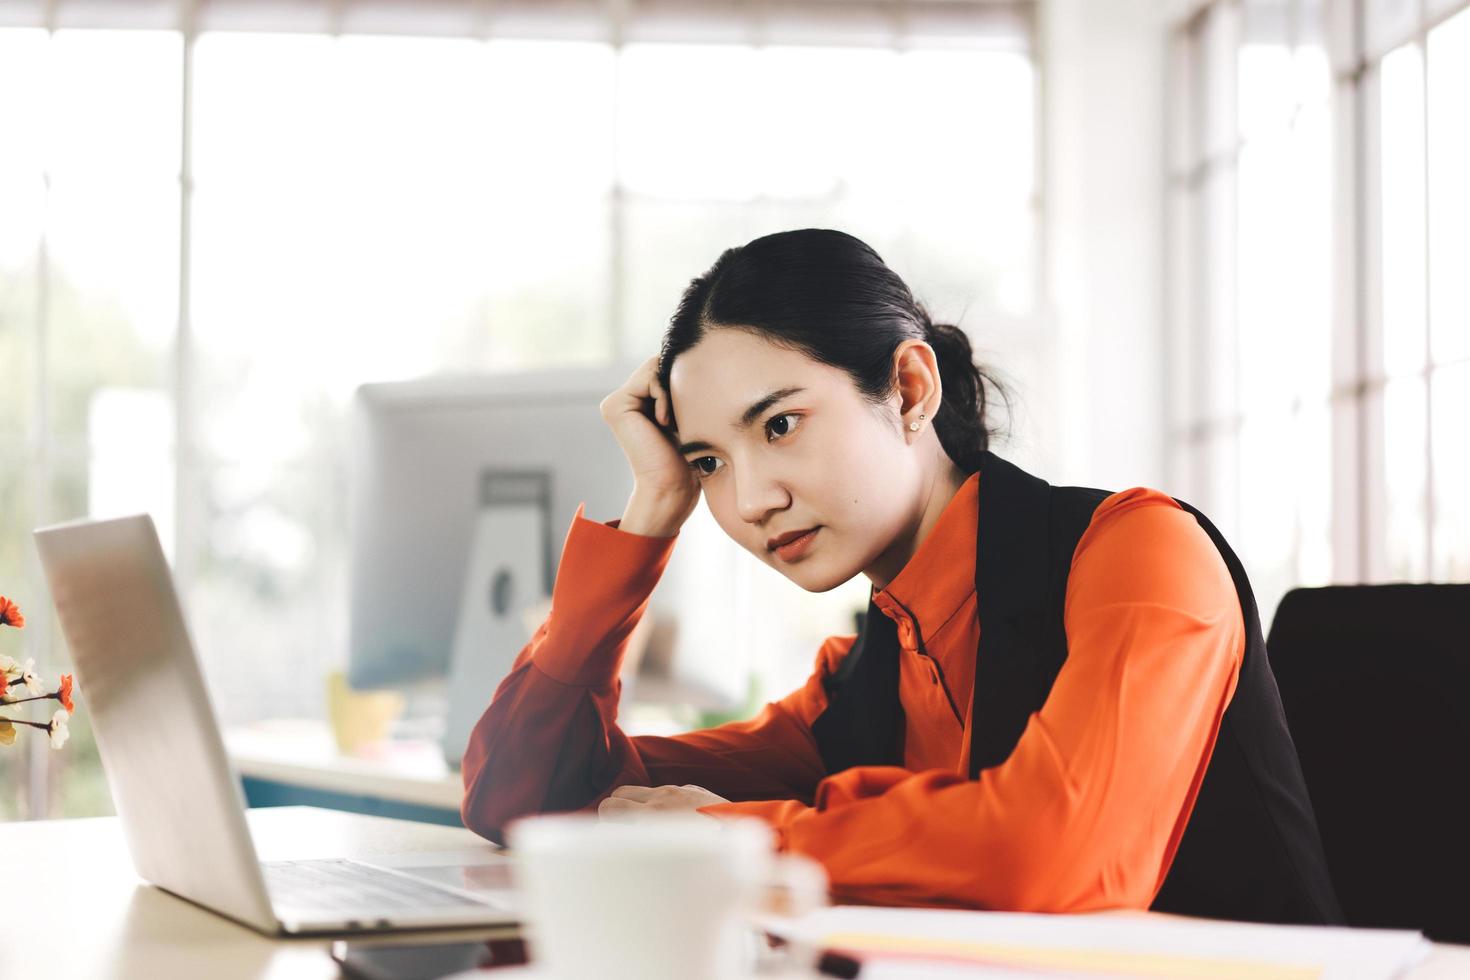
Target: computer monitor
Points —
{"points": [[427, 458]]}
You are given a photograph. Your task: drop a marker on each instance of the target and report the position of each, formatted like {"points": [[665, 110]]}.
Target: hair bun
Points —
{"points": [[948, 335]]}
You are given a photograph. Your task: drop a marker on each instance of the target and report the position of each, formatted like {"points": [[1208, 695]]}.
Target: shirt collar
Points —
{"points": [[940, 576]]}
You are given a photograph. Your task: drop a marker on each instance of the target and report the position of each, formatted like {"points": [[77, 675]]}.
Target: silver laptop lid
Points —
{"points": [[177, 794]]}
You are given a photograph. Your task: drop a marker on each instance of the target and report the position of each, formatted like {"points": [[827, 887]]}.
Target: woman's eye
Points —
{"points": [[777, 428], [782, 425]]}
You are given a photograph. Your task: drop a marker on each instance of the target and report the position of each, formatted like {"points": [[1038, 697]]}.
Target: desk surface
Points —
{"points": [[75, 908], [303, 753]]}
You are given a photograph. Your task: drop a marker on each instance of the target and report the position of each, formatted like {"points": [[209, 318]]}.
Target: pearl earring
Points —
{"points": [[914, 426]]}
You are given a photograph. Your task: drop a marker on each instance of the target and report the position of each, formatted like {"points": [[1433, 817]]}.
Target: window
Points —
{"points": [[89, 285], [1319, 322], [211, 232], [1447, 81]]}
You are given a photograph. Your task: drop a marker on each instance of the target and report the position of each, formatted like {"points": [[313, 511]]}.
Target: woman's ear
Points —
{"points": [[918, 390]]}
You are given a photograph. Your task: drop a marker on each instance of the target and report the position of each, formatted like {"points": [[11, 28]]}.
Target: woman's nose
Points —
{"points": [[759, 494]]}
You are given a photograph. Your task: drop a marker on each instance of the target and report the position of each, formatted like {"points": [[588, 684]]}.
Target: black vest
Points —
{"points": [[1251, 849]]}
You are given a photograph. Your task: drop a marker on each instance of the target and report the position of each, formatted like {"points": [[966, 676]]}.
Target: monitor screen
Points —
{"points": [[427, 457]]}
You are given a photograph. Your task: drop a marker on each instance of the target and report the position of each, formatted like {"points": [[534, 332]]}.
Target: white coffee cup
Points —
{"points": [[668, 898]]}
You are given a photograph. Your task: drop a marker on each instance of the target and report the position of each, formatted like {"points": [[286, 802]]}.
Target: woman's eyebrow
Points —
{"points": [[747, 417]]}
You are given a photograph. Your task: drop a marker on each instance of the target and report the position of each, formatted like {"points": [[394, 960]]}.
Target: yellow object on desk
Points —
{"points": [[359, 718]]}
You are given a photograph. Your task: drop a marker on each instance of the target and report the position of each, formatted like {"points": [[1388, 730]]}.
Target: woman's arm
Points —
{"points": [[549, 740], [1089, 808]]}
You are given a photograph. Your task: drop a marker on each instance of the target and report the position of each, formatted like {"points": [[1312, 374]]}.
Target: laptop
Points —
{"points": [[176, 792]]}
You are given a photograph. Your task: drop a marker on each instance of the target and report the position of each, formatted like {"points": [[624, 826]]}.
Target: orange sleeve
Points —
{"points": [[549, 739], [1088, 810]]}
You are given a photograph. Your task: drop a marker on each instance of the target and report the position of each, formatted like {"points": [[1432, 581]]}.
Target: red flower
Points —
{"points": [[10, 614], [63, 694], [3, 683]]}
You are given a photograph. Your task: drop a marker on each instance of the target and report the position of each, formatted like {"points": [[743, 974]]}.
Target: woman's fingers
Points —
{"points": [[668, 797], [617, 810], [642, 387], [640, 414], [634, 392], [659, 396], [627, 804]]}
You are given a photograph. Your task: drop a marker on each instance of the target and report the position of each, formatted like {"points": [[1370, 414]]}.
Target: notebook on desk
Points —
{"points": [[176, 793], [908, 943]]}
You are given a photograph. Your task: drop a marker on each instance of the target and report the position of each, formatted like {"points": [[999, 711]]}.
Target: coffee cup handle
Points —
{"points": [[792, 887], [797, 886]]}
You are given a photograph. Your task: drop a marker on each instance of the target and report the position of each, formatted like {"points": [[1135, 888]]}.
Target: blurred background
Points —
{"points": [[1220, 248]]}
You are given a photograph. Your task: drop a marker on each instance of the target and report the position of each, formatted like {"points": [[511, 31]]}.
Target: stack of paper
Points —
{"points": [[933, 943]]}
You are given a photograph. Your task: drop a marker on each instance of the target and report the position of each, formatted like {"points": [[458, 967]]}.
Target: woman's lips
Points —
{"points": [[797, 547]]}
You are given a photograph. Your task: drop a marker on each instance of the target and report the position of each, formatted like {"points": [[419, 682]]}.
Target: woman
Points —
{"points": [[1059, 700]]}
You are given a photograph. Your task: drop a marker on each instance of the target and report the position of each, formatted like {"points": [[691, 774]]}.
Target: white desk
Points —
{"points": [[74, 908], [303, 754]]}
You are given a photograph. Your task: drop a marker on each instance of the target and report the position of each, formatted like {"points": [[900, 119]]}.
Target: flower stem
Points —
{"points": [[54, 696], [20, 721]]}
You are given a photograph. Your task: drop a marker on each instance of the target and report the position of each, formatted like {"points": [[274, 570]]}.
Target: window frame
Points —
{"points": [[1359, 520]]}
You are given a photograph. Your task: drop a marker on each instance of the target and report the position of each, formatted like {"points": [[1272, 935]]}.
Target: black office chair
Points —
{"points": [[1375, 680]]}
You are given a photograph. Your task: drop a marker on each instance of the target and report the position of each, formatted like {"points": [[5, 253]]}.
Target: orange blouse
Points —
{"points": [[1087, 811]]}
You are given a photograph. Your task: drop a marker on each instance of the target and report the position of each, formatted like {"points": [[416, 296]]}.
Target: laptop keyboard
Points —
{"points": [[332, 885]]}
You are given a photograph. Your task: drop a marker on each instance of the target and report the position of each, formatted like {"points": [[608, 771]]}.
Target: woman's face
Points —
{"points": [[782, 443]]}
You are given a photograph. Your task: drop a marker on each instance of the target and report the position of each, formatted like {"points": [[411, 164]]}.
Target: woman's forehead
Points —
{"points": [[732, 350], [716, 381]]}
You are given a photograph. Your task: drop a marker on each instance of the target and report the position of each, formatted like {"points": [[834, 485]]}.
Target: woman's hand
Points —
{"points": [[629, 804], [665, 488]]}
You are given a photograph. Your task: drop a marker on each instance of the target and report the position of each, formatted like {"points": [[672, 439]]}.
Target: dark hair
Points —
{"points": [[830, 296]]}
